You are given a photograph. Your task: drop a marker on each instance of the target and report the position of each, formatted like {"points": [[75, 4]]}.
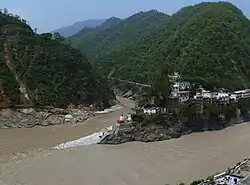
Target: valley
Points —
{"points": [[185, 77]]}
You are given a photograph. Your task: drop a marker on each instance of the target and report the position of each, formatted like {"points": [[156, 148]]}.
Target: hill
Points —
{"points": [[207, 43], [76, 27], [116, 45], [38, 70], [88, 38]]}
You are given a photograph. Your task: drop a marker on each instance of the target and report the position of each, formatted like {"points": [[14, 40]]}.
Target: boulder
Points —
{"points": [[45, 114], [68, 118], [151, 137], [6, 112], [173, 132], [27, 111], [11, 118]]}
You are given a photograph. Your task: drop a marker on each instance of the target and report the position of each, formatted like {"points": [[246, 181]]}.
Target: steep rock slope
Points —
{"points": [[38, 70]]}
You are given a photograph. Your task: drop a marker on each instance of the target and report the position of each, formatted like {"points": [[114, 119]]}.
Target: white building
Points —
{"points": [[174, 77], [233, 97], [149, 110], [220, 95], [203, 94], [181, 91], [181, 86], [153, 110], [217, 96], [243, 93]]}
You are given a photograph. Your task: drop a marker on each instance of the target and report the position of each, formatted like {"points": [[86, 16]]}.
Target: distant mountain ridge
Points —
{"points": [[77, 26]]}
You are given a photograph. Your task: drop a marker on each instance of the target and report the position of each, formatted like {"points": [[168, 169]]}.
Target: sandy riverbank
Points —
{"points": [[183, 159]]}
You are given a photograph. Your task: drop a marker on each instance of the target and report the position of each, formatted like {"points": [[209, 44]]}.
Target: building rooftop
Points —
{"points": [[242, 91]]}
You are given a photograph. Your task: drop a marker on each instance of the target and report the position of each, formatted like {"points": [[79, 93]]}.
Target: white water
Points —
{"points": [[111, 109], [88, 140], [84, 141], [93, 138]]}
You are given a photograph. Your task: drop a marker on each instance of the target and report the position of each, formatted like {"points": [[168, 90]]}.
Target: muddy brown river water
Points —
{"points": [[169, 162]]}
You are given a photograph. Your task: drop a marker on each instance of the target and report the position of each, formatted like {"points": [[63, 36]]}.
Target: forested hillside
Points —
{"points": [[120, 44], [38, 70], [207, 43], [87, 39]]}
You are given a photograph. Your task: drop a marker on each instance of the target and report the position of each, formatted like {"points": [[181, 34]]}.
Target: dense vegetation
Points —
{"points": [[208, 43], [120, 44], [51, 73]]}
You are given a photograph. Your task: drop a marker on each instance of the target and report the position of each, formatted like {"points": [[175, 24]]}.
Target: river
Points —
{"points": [[27, 160]]}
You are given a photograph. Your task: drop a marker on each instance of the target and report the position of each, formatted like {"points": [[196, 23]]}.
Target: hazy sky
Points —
{"points": [[47, 15]]}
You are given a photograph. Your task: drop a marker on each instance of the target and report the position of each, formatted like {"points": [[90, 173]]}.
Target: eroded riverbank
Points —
{"points": [[178, 160], [25, 140]]}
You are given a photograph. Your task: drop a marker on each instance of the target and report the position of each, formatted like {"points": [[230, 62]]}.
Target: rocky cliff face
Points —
{"points": [[30, 117]]}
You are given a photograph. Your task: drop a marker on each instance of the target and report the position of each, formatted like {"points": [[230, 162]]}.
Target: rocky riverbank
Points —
{"points": [[27, 118], [130, 132], [238, 174], [159, 128]]}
